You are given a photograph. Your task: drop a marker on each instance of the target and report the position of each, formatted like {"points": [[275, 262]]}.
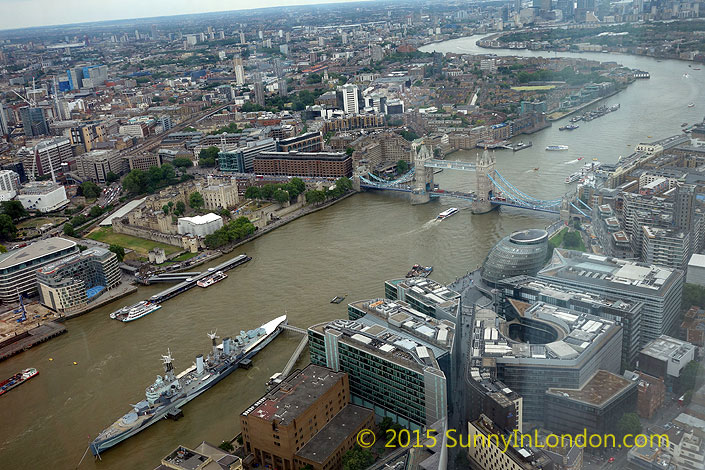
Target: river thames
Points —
{"points": [[349, 248]]}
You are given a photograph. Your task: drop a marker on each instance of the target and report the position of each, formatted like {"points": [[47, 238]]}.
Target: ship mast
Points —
{"points": [[167, 360], [213, 338]]}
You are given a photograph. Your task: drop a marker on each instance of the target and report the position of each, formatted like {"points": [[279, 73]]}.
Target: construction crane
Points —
{"points": [[21, 309]]}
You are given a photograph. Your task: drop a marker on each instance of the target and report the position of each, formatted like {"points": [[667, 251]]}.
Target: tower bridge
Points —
{"points": [[492, 190]]}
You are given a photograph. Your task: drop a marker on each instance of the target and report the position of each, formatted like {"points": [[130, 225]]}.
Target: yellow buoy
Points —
{"points": [[51, 358]]}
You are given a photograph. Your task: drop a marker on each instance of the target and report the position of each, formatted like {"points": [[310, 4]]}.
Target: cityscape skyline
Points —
{"points": [[67, 13]]}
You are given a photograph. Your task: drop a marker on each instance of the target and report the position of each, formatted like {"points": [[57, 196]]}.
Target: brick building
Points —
{"points": [[306, 420], [651, 393], [310, 142], [318, 164]]}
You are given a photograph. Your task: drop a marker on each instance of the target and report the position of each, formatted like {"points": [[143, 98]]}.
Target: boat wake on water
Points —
{"points": [[571, 162]]}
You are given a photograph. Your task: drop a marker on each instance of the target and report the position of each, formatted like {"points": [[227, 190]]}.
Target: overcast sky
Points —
{"points": [[24, 13]]}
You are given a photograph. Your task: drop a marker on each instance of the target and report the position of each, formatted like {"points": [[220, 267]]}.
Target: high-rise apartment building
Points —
{"points": [[9, 180], [665, 247], [351, 102], [47, 156], [34, 121], [4, 123], [259, 89], [239, 70]]}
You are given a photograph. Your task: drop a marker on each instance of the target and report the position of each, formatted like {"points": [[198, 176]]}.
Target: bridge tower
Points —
{"points": [[423, 177], [485, 188]]}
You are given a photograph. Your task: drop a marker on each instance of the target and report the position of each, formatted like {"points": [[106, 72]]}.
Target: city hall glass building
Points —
{"points": [[522, 252]]}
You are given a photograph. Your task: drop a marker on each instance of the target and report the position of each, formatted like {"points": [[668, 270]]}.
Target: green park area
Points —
{"points": [[571, 240], [140, 245], [37, 222]]}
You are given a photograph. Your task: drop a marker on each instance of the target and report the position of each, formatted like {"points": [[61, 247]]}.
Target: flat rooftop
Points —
{"points": [[402, 320], [599, 390], [606, 272], [666, 348], [577, 335], [429, 292], [566, 293], [328, 439], [294, 395], [35, 250]]}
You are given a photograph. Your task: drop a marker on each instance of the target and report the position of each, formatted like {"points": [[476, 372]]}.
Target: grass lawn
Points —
{"points": [[36, 222], [139, 245], [184, 257], [533, 88]]}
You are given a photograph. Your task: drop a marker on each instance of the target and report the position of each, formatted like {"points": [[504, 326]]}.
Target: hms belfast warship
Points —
{"points": [[167, 394]]}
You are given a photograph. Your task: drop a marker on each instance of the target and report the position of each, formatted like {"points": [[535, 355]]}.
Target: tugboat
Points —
{"points": [[17, 380], [169, 393], [420, 271]]}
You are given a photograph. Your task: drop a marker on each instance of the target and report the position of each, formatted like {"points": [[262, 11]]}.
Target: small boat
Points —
{"points": [[556, 148], [447, 213], [594, 159], [696, 68], [684, 124], [569, 127], [536, 169], [648, 136], [580, 158], [135, 312], [691, 105], [337, 299], [212, 279], [419, 271], [17, 379]]}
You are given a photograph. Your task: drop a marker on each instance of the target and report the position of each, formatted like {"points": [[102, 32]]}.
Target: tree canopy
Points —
{"points": [[629, 423], [119, 251], [195, 200], [90, 190], [208, 157], [14, 209], [8, 231], [357, 458], [232, 231], [139, 182]]}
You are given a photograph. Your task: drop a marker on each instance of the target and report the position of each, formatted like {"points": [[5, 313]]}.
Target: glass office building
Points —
{"points": [[522, 252]]}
